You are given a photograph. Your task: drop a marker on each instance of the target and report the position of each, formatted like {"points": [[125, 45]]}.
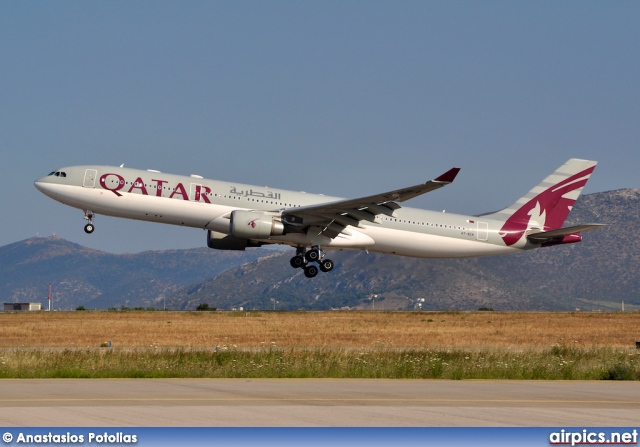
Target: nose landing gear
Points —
{"points": [[306, 259], [88, 228]]}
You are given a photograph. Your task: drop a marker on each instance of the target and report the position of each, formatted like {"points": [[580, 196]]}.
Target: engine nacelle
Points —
{"points": [[255, 225], [222, 241]]}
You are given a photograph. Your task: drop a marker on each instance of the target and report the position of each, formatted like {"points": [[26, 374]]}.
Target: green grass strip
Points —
{"points": [[556, 363]]}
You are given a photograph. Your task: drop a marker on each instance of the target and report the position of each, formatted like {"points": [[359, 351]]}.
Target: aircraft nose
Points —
{"points": [[43, 185], [39, 184]]}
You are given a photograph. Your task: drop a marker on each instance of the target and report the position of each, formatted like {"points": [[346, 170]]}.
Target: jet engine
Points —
{"points": [[222, 241], [255, 225]]}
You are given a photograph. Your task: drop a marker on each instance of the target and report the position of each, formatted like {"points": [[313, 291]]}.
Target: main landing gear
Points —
{"points": [[88, 228], [306, 259]]}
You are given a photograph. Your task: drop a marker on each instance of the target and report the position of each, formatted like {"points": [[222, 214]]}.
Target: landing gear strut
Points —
{"points": [[88, 228], [306, 259]]}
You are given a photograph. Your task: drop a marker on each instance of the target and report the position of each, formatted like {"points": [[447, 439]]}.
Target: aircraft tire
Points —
{"points": [[313, 255], [326, 265], [88, 228], [310, 271], [297, 262]]}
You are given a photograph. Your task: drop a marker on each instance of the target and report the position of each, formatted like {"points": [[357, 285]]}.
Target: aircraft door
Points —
{"points": [[483, 231], [89, 178]]}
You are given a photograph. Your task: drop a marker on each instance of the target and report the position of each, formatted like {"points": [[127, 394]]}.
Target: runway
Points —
{"points": [[315, 403]]}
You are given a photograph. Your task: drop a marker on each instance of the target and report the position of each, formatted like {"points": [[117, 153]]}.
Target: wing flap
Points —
{"points": [[385, 209], [334, 229], [343, 220], [361, 215]]}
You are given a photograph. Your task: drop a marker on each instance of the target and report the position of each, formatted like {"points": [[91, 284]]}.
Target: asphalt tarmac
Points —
{"points": [[316, 403]]}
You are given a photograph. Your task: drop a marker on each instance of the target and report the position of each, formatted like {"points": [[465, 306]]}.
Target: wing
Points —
{"points": [[334, 217]]}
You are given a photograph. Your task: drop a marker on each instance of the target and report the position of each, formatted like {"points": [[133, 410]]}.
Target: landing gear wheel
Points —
{"points": [[88, 215], [313, 255], [310, 271], [297, 262], [326, 265]]}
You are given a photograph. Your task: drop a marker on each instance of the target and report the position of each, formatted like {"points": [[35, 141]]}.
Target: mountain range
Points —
{"points": [[598, 273], [82, 276]]}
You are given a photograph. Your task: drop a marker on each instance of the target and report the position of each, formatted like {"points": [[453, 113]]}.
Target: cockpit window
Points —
{"points": [[58, 173]]}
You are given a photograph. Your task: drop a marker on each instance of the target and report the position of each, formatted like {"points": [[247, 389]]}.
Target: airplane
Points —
{"points": [[237, 216]]}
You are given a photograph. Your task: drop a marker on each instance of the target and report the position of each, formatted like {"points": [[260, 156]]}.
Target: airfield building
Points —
{"points": [[22, 306]]}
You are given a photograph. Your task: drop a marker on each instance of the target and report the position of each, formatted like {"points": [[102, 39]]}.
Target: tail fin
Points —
{"points": [[547, 205]]}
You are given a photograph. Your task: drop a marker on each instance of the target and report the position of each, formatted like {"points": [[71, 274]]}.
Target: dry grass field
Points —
{"points": [[446, 345], [332, 330]]}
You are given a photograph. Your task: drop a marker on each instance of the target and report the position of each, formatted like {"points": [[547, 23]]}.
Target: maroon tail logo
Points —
{"points": [[550, 208]]}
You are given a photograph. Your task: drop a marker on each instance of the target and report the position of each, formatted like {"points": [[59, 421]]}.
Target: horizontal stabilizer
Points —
{"points": [[547, 236]]}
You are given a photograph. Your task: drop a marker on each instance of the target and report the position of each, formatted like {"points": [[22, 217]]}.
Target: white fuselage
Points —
{"points": [[196, 202]]}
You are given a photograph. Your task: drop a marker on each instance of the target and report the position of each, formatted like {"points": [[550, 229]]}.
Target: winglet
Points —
{"points": [[448, 176]]}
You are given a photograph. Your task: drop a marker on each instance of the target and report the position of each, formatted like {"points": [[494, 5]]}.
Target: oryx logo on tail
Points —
{"points": [[546, 206]]}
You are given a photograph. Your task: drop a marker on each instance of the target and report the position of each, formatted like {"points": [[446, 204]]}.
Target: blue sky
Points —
{"points": [[345, 98]]}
